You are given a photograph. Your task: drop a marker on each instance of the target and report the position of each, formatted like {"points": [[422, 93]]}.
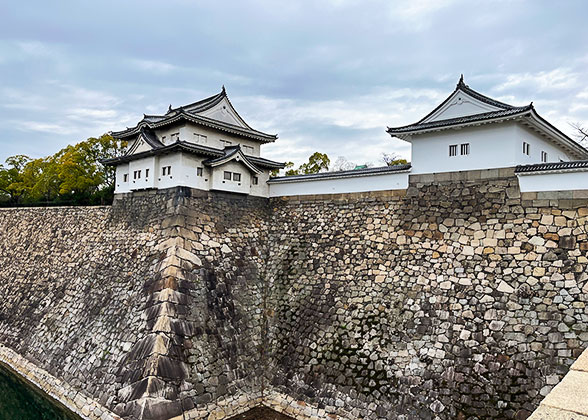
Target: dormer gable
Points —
{"points": [[233, 153], [464, 102], [145, 141]]}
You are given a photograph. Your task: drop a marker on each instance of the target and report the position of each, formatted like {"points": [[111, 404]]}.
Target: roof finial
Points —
{"points": [[461, 83], [170, 108], [224, 91]]}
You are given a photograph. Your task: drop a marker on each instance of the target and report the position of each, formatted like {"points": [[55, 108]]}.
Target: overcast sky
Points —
{"points": [[325, 76]]}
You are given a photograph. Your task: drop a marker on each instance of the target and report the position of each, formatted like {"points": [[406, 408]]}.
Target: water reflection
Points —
{"points": [[20, 401]]}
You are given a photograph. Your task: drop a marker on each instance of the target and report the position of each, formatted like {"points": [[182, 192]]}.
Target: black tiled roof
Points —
{"points": [[461, 120], [554, 166], [190, 112], [191, 148], [151, 138], [342, 174]]}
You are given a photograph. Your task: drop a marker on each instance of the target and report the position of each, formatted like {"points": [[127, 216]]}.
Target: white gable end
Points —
{"points": [[460, 104], [223, 111], [138, 146]]}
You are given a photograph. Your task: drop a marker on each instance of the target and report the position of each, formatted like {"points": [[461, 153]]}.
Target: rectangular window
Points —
{"points": [[166, 170], [248, 149], [163, 139], [236, 176], [543, 156], [175, 137], [226, 142], [453, 150], [199, 171], [137, 174], [146, 173], [526, 148], [126, 177], [227, 175], [255, 180], [465, 149]]}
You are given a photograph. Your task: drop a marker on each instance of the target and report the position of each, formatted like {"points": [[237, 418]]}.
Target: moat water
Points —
{"points": [[20, 401]]}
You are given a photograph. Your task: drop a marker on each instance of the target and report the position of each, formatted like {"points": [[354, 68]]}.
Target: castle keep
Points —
{"points": [[454, 296]]}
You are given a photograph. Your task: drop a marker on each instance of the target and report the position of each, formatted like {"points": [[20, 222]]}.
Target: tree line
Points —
{"points": [[72, 176], [75, 176]]}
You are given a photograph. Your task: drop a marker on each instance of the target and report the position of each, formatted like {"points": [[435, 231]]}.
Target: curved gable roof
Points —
{"points": [[196, 113]]}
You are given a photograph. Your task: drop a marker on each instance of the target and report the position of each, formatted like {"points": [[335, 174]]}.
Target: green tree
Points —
{"points": [[11, 178], [41, 180], [393, 159], [317, 162], [287, 166], [73, 175]]}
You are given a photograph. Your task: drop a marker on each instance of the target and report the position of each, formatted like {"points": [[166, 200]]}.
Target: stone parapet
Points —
{"points": [[567, 401], [462, 176]]}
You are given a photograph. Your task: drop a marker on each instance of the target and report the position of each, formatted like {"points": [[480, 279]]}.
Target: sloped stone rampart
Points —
{"points": [[457, 298]]}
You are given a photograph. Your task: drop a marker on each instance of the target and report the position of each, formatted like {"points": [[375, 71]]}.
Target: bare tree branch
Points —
{"points": [[581, 132]]}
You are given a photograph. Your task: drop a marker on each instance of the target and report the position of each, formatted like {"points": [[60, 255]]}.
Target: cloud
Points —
{"points": [[557, 79], [153, 66]]}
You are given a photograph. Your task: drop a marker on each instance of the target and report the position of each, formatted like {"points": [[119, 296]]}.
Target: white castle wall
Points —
{"points": [[365, 182]]}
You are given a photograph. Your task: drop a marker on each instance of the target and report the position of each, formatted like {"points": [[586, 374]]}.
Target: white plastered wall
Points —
{"points": [[374, 182], [219, 183], [262, 187], [495, 145], [144, 181], [120, 186], [537, 145], [192, 132], [564, 181]]}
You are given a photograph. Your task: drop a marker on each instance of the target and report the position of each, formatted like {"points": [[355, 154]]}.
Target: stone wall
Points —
{"points": [[456, 298], [460, 300], [151, 307]]}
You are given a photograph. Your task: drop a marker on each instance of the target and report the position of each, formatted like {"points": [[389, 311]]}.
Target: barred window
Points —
{"points": [[453, 150], [465, 149], [526, 148]]}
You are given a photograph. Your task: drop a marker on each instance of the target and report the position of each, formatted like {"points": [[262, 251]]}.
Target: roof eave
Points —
{"points": [[402, 134], [262, 137], [565, 141]]}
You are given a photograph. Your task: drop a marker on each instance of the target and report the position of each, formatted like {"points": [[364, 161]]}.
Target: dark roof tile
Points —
{"points": [[553, 166], [342, 174]]}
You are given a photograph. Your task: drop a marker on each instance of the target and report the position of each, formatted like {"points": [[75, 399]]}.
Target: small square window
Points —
{"points": [[125, 177], [236, 176], [453, 150], [543, 156], [146, 173], [465, 149], [199, 171], [255, 180], [227, 175], [166, 170], [175, 137]]}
